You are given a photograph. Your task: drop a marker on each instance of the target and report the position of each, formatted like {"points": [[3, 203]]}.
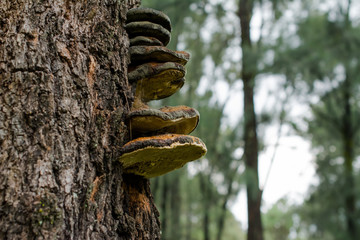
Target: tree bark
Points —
{"points": [[255, 230], [64, 96]]}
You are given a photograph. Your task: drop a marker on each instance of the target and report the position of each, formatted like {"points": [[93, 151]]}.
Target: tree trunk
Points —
{"points": [[175, 205], [189, 213], [348, 153], [206, 198], [64, 96], [255, 231], [224, 209]]}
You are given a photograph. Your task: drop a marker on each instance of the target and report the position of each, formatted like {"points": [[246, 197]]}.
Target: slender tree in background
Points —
{"points": [[198, 196], [63, 100], [248, 73], [219, 161]]}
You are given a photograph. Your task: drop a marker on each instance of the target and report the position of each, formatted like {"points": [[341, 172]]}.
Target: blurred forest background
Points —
{"points": [[308, 51]]}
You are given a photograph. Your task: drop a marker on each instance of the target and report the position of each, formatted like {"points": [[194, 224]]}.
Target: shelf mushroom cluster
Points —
{"points": [[161, 143]]}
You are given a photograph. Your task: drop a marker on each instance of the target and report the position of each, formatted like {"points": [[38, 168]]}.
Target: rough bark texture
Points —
{"points": [[255, 230], [64, 96]]}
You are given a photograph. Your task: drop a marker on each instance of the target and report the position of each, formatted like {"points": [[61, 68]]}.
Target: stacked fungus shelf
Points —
{"points": [[161, 142]]}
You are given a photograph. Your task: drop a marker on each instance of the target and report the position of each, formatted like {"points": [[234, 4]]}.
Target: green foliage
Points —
{"points": [[320, 61], [205, 190], [324, 57], [194, 191], [278, 220], [214, 181]]}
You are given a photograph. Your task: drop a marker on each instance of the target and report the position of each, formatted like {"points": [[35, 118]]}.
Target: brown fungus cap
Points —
{"points": [[157, 155], [148, 14], [148, 29], [157, 80], [179, 120], [145, 41], [142, 54], [152, 69]]}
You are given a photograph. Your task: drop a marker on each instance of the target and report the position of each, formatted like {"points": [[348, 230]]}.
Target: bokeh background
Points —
{"points": [[303, 58]]}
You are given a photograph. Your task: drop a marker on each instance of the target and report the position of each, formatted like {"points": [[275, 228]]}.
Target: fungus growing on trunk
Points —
{"points": [[178, 120], [154, 156], [157, 80], [148, 14], [149, 29], [145, 41], [157, 72], [143, 54]]}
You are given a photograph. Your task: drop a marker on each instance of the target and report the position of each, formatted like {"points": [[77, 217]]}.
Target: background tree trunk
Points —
{"points": [[349, 156], [255, 230], [64, 96]]}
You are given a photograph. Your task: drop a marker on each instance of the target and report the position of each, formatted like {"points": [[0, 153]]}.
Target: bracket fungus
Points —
{"points": [[145, 41], [157, 80], [157, 72], [150, 29], [157, 155], [152, 70], [148, 14], [143, 54], [179, 120]]}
